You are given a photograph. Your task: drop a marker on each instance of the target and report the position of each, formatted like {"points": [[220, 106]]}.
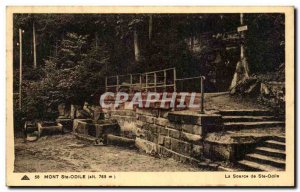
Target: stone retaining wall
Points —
{"points": [[170, 134]]}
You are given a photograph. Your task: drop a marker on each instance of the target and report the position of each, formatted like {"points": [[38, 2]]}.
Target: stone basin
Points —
{"points": [[49, 128], [97, 129]]}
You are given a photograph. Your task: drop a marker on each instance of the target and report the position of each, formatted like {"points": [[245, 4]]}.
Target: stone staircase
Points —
{"points": [[247, 119], [268, 156]]}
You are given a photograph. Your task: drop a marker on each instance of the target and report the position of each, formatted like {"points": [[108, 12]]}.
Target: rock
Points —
{"points": [[67, 124], [253, 89], [264, 90], [61, 109], [29, 127], [82, 114], [49, 128], [88, 109], [73, 111], [98, 113], [148, 147], [120, 141]]}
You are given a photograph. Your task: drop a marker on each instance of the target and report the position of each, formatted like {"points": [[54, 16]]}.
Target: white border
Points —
{"points": [[111, 2]]}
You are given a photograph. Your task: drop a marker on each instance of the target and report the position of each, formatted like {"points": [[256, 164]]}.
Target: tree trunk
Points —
{"points": [[192, 42], [150, 27], [34, 46], [136, 47], [96, 40], [20, 77]]}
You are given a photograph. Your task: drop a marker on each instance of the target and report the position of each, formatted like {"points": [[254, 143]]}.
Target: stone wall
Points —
{"points": [[169, 134]]}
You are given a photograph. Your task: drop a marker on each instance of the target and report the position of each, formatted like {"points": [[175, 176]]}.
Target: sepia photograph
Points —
{"points": [[96, 93]]}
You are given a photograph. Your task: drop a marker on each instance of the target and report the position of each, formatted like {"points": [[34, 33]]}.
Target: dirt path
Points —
{"points": [[68, 154], [226, 101]]}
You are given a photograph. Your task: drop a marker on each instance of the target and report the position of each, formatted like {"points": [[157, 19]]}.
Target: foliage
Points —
{"points": [[69, 77], [265, 42]]}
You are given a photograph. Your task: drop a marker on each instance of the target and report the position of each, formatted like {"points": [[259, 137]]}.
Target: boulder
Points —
{"points": [[89, 109], [98, 113], [82, 114], [73, 111]]}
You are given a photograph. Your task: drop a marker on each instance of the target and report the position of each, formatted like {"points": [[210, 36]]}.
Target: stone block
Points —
{"points": [[91, 129], [130, 113], [174, 133], [162, 130], [62, 110], [142, 118], [98, 114], [73, 111], [217, 151], [82, 114], [67, 124], [149, 119], [197, 151], [192, 138], [164, 152], [161, 121], [163, 113], [209, 119], [149, 136], [180, 146], [173, 125], [139, 123], [80, 127], [153, 128], [99, 131], [120, 141], [179, 117], [167, 142], [147, 112], [111, 129], [193, 129], [160, 140], [146, 146], [30, 127], [49, 128]]}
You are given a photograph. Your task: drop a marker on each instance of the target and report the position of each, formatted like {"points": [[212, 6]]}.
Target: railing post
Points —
{"points": [[130, 89], [155, 81], [146, 82], [141, 85], [105, 84], [174, 77], [202, 94], [165, 80], [117, 88]]}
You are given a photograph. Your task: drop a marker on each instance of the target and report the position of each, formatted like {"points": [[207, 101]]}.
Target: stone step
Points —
{"points": [[249, 125], [253, 166], [271, 152], [273, 161], [279, 138], [248, 112], [248, 118], [274, 144]]}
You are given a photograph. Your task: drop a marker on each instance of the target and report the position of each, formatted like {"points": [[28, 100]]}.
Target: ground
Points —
{"points": [[219, 101], [65, 153]]}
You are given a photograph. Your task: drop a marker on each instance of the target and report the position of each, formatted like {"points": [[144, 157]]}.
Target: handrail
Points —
{"points": [[156, 84], [146, 75], [188, 78]]}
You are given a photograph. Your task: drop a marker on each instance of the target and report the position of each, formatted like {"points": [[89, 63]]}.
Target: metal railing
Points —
{"points": [[152, 80], [202, 78], [144, 81]]}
